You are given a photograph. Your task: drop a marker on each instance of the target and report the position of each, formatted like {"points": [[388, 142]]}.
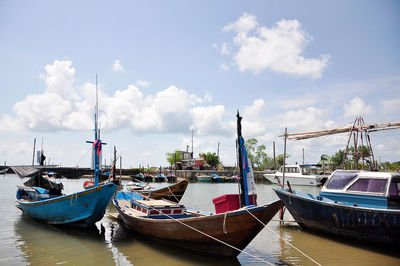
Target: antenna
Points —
{"points": [[96, 111], [192, 142]]}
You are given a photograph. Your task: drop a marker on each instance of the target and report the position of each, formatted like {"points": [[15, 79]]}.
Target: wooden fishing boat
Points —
{"points": [[160, 178], [81, 209], [3, 171], [203, 178], [237, 220], [193, 230], [173, 192], [358, 205]]}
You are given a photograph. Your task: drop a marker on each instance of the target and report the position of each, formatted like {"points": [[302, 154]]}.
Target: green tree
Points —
{"points": [[171, 157], [258, 155], [251, 146], [279, 160], [337, 158], [211, 158]]}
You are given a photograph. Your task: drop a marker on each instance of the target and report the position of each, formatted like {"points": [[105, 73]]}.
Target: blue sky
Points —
{"points": [[166, 67]]}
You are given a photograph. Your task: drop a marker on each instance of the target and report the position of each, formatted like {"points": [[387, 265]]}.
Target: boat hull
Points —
{"points": [[293, 180], [81, 209], [237, 228], [368, 225]]}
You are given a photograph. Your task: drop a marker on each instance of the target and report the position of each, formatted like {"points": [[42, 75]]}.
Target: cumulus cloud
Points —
{"points": [[209, 120], [65, 105], [278, 48], [142, 83], [305, 119], [356, 107], [117, 67]]}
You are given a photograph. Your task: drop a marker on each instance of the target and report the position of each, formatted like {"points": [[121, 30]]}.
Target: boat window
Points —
{"points": [[369, 185], [394, 189], [340, 179], [394, 193]]}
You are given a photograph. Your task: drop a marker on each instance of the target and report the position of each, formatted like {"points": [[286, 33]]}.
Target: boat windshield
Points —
{"points": [[369, 185], [340, 179], [309, 170]]}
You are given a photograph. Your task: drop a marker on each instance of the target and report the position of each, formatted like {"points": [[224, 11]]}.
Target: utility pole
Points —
{"points": [[273, 147], [34, 148]]}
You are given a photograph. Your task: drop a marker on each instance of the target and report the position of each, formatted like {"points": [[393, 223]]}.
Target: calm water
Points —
{"points": [[26, 241]]}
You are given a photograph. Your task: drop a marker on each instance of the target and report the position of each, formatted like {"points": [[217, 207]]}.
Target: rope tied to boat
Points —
{"points": [[172, 193], [284, 240], [214, 238]]}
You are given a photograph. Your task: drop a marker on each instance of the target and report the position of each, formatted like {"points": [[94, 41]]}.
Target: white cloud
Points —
{"points": [[208, 120], [244, 24], [356, 107], [391, 105], [224, 67], [117, 67], [278, 48], [59, 78], [306, 119], [142, 83], [169, 110]]}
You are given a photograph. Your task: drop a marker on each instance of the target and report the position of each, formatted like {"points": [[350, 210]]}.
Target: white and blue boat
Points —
{"points": [[82, 209], [359, 205]]}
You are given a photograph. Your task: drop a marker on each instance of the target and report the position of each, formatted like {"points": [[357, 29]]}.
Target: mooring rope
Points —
{"points": [[173, 194], [216, 239], [287, 242]]}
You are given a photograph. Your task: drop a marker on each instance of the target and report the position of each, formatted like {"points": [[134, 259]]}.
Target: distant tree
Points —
{"points": [[211, 158], [279, 160], [338, 158], [171, 157], [258, 155]]}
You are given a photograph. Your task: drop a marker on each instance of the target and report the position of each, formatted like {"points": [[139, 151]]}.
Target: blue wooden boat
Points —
{"points": [[359, 205], [81, 209], [216, 178], [160, 178]]}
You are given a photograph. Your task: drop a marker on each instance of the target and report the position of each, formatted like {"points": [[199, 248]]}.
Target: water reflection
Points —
{"points": [[43, 244], [328, 250]]}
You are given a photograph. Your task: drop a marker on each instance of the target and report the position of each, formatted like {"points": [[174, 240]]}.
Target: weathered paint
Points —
{"points": [[83, 208], [370, 225]]}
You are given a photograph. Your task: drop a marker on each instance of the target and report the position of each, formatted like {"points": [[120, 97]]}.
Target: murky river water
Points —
{"points": [[27, 241]]}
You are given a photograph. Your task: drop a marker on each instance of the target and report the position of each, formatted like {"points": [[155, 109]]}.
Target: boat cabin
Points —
{"points": [[304, 169], [363, 188]]}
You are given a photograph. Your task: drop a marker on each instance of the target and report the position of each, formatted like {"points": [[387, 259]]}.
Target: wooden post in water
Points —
{"points": [[282, 211], [284, 158]]}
